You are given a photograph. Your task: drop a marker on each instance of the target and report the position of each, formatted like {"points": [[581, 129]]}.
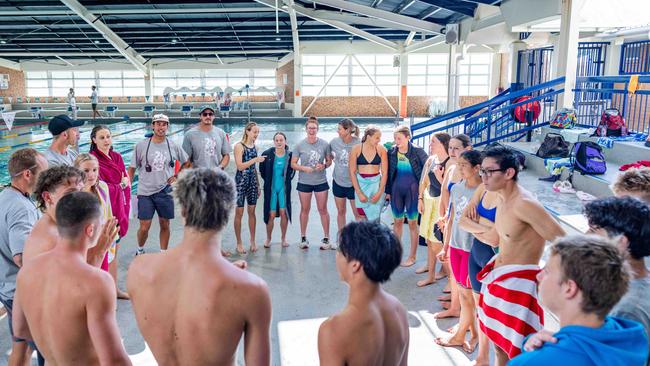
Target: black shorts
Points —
{"points": [[94, 105], [308, 188], [342, 192], [161, 202]]}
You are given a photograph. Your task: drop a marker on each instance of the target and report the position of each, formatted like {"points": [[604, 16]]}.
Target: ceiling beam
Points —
{"points": [[10, 64], [375, 3], [457, 6], [409, 38], [433, 41], [127, 11], [146, 54], [337, 24], [429, 12], [382, 14], [122, 47], [404, 5]]}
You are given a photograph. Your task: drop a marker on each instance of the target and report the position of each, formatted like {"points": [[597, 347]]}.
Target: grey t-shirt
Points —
{"points": [[206, 149], [460, 196], [56, 159], [158, 159], [635, 305], [18, 214], [310, 155], [93, 97], [341, 152]]}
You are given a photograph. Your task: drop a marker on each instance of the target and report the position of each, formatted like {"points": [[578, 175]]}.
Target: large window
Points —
{"points": [[212, 78], [427, 74], [109, 83], [474, 74], [350, 78]]}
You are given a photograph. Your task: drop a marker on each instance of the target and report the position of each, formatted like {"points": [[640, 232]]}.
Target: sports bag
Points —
{"points": [[587, 158], [611, 124], [553, 146], [564, 118]]}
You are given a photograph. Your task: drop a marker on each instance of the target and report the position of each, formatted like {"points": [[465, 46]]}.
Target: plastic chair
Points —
{"points": [[148, 110], [186, 110], [110, 110]]}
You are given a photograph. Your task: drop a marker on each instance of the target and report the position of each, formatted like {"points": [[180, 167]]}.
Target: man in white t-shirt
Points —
{"points": [[65, 134], [94, 99]]}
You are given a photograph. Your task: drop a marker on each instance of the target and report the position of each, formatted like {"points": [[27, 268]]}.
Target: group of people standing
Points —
{"points": [[477, 220]]}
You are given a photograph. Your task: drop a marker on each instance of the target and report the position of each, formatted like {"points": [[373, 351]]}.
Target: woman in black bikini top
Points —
{"points": [[360, 167]]}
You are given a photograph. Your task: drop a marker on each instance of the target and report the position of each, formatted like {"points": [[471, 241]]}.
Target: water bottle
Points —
{"points": [[624, 130]]}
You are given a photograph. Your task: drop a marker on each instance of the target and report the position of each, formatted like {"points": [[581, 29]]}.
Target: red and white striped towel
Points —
{"points": [[508, 306]]}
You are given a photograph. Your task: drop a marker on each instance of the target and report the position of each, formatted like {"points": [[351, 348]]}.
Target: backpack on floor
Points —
{"points": [[553, 146], [611, 124], [564, 118], [587, 158]]}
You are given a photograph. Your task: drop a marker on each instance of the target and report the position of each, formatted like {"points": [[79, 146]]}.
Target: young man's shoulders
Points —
{"points": [[544, 356]]}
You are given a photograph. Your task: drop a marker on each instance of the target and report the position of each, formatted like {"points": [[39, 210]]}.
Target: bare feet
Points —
{"points": [[453, 329], [122, 295], [452, 341], [241, 264], [444, 298], [267, 243], [470, 346], [449, 313], [240, 249], [285, 243], [426, 282], [479, 362], [440, 275], [408, 262], [253, 248], [422, 270], [447, 289], [225, 253]]}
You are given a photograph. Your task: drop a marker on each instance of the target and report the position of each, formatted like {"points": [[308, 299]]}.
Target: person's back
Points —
{"points": [[372, 330], [192, 307], [62, 303], [376, 334], [58, 290], [42, 238]]}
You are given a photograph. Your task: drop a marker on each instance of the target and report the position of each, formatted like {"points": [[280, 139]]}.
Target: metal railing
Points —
{"points": [[594, 94], [492, 120]]}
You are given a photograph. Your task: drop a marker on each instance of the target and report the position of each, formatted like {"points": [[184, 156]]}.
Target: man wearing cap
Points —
{"points": [[155, 161], [207, 146], [65, 133]]}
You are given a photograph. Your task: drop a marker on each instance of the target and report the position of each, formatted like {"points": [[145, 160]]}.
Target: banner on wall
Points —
{"points": [[9, 117], [4, 81]]}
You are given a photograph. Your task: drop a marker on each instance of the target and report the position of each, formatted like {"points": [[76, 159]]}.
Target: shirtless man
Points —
{"points": [[521, 228], [52, 185], [373, 329], [193, 306], [65, 305]]}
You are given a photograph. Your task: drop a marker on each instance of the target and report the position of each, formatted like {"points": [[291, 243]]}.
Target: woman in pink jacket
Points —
{"points": [[113, 172]]}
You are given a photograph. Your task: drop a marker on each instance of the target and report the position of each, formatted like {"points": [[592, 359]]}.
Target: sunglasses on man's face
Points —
{"points": [[207, 114]]}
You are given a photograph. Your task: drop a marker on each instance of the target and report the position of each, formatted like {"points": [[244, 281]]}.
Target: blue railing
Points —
{"points": [[492, 121], [594, 94], [635, 58]]}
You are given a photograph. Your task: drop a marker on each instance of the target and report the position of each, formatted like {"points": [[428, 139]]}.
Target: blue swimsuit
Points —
{"points": [[481, 253]]}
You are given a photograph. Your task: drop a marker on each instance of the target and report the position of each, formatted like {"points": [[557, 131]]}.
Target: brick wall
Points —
{"points": [[374, 106], [288, 87], [16, 83]]}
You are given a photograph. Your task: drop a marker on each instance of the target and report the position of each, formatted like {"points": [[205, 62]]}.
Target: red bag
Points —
{"points": [[530, 108], [611, 124]]}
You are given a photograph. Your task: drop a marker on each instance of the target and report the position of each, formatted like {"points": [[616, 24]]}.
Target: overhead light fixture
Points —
{"points": [[96, 42], [3, 41], [350, 38], [174, 40], [284, 7], [278, 38]]}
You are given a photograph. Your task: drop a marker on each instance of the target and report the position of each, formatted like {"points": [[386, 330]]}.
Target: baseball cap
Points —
{"points": [[206, 107], [61, 123], [159, 117]]}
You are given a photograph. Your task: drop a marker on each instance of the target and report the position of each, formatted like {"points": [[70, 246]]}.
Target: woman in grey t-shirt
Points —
{"points": [[342, 188], [310, 158]]}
